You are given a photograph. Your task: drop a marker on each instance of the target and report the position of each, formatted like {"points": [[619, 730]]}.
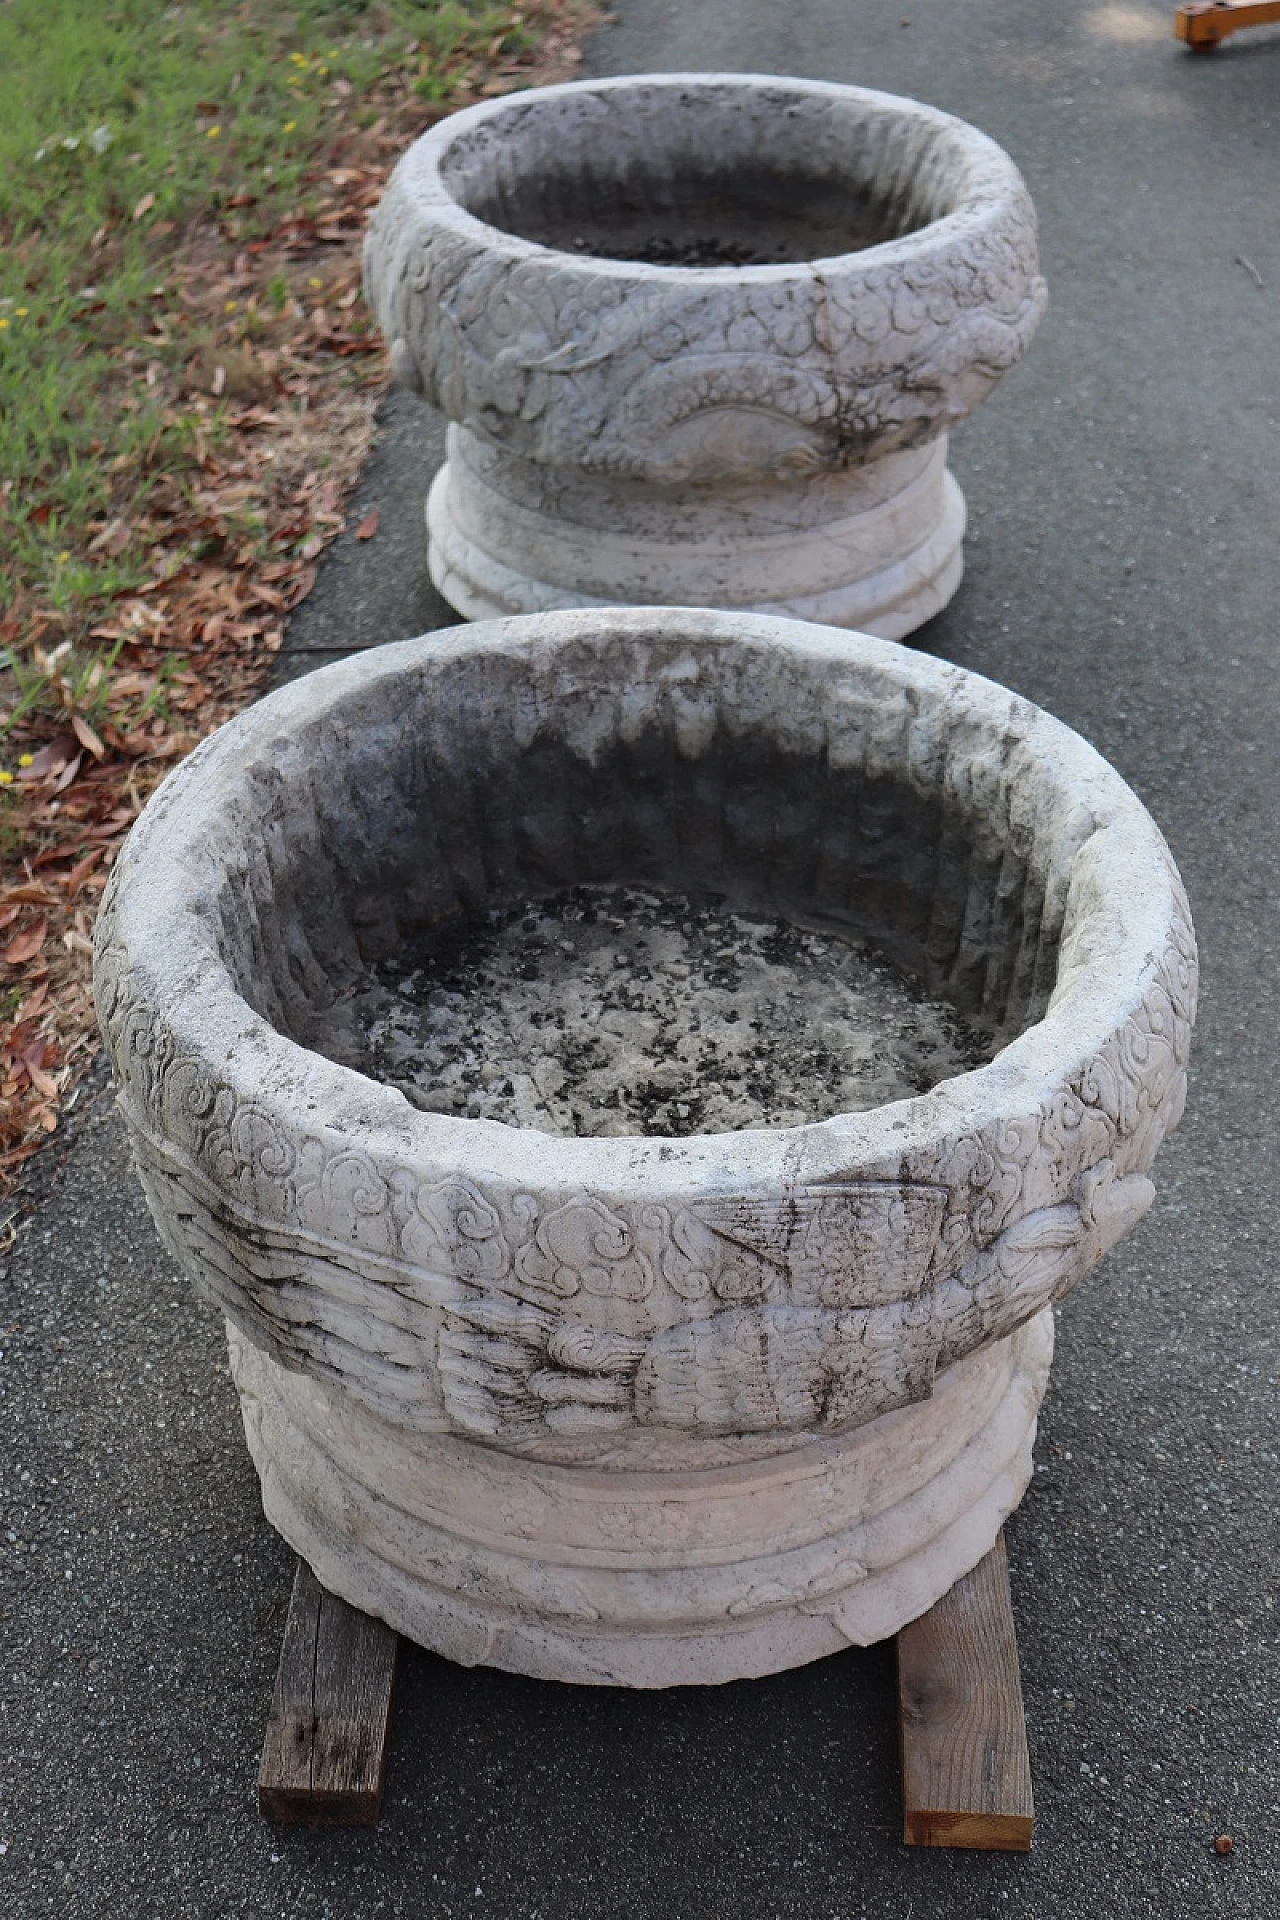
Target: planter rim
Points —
{"points": [[993, 179], [161, 911], [777, 372]]}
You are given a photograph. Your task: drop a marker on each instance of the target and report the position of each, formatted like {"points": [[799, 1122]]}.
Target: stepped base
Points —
{"points": [[677, 1562], [876, 548]]}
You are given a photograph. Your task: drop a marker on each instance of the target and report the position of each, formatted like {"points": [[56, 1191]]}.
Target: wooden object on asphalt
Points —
{"points": [[325, 1753], [1202, 23], [966, 1773]]}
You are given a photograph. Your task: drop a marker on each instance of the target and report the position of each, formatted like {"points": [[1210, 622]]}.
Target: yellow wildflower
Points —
{"points": [[22, 312], [213, 133], [289, 125], [26, 759], [6, 778]]}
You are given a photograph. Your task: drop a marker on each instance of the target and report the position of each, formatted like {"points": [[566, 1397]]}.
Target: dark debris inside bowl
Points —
{"points": [[622, 1011], [714, 230]]}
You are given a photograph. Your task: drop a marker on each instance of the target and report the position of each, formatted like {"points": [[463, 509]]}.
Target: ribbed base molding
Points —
{"points": [[646, 1572], [876, 548]]}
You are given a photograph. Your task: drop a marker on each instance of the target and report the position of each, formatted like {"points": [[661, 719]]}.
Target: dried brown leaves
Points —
{"points": [[280, 414]]}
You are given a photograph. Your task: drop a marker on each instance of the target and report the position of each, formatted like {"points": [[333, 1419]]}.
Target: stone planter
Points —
{"points": [[643, 1410], [701, 339]]}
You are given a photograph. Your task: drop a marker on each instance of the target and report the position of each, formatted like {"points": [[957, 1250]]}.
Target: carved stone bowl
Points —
{"points": [[701, 339], [643, 1410]]}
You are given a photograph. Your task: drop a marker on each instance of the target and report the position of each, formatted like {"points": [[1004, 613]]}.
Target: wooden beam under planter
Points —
{"points": [[324, 1758], [966, 1773]]}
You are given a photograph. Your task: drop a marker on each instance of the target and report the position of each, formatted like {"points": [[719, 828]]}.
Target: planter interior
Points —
{"points": [[632, 1409], [706, 180], [702, 339]]}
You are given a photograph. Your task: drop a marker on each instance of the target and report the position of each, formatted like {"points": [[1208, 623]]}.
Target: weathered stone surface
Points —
{"points": [[473, 1293], [702, 339], [617, 1010], [640, 1568]]}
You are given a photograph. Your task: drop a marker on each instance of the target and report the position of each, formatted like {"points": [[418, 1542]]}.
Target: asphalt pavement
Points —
{"points": [[1123, 571]]}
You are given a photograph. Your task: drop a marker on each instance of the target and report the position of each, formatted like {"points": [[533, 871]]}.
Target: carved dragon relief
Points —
{"points": [[638, 389], [771, 1357], [743, 1340], [813, 1312], [441, 1305], [498, 1322]]}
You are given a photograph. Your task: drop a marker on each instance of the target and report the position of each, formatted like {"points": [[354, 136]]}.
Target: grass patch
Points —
{"points": [[187, 379], [121, 127]]}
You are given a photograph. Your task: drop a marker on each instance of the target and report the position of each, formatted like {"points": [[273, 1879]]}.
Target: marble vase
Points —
{"points": [[701, 340], [643, 1410]]}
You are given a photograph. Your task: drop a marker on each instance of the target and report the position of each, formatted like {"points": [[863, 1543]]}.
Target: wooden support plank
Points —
{"points": [[966, 1773], [325, 1753], [1203, 23]]}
